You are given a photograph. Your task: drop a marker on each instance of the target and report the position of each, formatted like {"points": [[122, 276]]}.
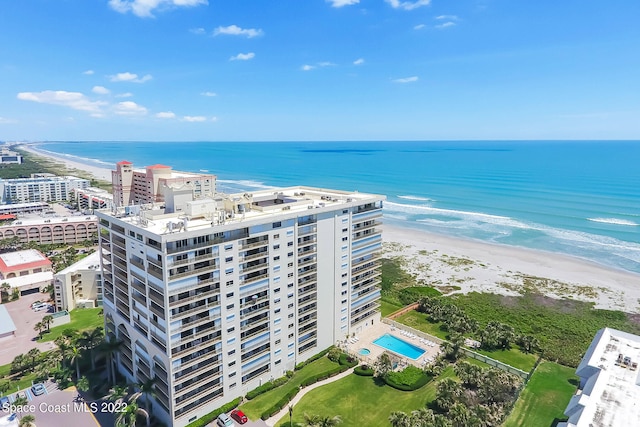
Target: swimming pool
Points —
{"points": [[364, 351], [399, 346]]}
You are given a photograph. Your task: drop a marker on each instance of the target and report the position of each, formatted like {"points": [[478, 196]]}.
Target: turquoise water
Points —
{"points": [[364, 351], [399, 346], [577, 198]]}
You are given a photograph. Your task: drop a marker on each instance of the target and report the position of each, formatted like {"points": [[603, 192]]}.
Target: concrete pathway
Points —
{"points": [[285, 411]]}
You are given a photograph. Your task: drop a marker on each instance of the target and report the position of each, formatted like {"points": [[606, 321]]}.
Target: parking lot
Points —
{"points": [[25, 319]]}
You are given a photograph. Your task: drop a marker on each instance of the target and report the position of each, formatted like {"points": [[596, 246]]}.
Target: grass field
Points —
{"points": [[513, 357], [386, 308], [361, 401], [82, 319], [564, 327], [24, 382], [255, 407], [545, 398], [419, 321]]}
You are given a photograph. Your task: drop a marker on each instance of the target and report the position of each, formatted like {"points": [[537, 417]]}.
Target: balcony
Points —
{"points": [[192, 298], [307, 241], [195, 310], [364, 277], [215, 332], [254, 243], [364, 235], [256, 355], [155, 261], [306, 231], [207, 354], [206, 376], [186, 374], [259, 309], [199, 270], [156, 297], [254, 302], [308, 251], [198, 258], [303, 272], [255, 321], [367, 264], [306, 290], [251, 279], [137, 263], [307, 309], [307, 327], [194, 323], [254, 256], [249, 268], [303, 262], [304, 321], [366, 225], [309, 298]]}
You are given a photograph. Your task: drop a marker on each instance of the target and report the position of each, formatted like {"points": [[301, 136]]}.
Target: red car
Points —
{"points": [[238, 416]]}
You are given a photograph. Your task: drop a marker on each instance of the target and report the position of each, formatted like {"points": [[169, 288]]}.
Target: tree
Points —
{"points": [[39, 327], [4, 387], [5, 291], [383, 365], [459, 415], [110, 348], [21, 401], [146, 390], [452, 348], [83, 384], [27, 421], [74, 356], [19, 363], [528, 343], [33, 355], [469, 374], [47, 321], [448, 391], [422, 418], [90, 340], [328, 421]]}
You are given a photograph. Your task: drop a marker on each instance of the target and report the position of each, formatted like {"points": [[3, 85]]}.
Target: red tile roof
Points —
{"points": [[158, 167], [124, 162]]}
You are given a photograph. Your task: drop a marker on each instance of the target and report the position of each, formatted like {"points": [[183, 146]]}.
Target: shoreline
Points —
{"points": [[458, 265], [451, 262], [102, 174]]}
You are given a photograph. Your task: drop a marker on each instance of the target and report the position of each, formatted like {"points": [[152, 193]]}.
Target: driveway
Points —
{"points": [[25, 319]]}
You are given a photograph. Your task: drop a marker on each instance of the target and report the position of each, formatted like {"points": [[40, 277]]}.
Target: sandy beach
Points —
{"points": [[458, 265], [102, 174]]}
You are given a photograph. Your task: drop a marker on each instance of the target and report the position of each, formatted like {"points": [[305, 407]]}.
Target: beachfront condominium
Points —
{"points": [[146, 185], [212, 297], [39, 188]]}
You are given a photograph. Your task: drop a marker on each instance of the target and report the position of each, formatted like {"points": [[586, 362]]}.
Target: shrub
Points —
{"points": [[413, 294], [211, 416], [313, 358], [347, 360], [409, 379], [363, 371], [280, 404], [334, 354], [266, 387]]}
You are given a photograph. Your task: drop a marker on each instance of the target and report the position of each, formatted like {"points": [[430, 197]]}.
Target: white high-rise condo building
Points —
{"points": [[211, 297]]}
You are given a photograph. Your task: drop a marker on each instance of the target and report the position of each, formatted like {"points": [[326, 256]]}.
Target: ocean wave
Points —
{"points": [[245, 183], [416, 198], [78, 159], [424, 209], [615, 221]]}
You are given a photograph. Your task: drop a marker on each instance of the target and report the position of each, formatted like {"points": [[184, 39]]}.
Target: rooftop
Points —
{"points": [[229, 211], [22, 259], [6, 322], [29, 279], [39, 220], [611, 392], [90, 262]]}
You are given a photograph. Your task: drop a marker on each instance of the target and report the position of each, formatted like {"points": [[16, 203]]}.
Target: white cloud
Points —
{"points": [[130, 77], [307, 67], [100, 90], [446, 18], [88, 72], [243, 57], [326, 64], [209, 94], [408, 5], [445, 25], [145, 8], [129, 108], [419, 27], [194, 119], [124, 95], [341, 3], [406, 80], [358, 61], [197, 31], [6, 121], [234, 30], [166, 115], [75, 100]]}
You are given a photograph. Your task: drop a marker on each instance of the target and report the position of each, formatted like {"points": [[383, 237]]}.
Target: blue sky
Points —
{"points": [[319, 70]]}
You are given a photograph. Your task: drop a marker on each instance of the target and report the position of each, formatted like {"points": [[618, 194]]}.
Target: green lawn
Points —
{"points": [[360, 401], [419, 321], [82, 319], [255, 407], [545, 398], [513, 357], [386, 308], [24, 382]]}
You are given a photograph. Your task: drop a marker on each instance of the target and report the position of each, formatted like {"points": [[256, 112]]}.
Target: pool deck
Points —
{"points": [[372, 333]]}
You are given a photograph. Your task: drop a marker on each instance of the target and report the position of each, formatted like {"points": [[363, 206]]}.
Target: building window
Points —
{"points": [[229, 307], [231, 329], [290, 265], [277, 224], [228, 247], [344, 239], [276, 290], [230, 283], [276, 311], [276, 236], [228, 259], [290, 305], [230, 295], [276, 247], [228, 271], [277, 341], [276, 258], [233, 362], [290, 254], [290, 325], [232, 374], [290, 244]]}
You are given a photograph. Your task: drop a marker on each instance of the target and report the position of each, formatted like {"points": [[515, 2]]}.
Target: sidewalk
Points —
{"points": [[285, 411]]}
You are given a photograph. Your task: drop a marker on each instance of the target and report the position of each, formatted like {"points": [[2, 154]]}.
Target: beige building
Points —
{"points": [[137, 186], [72, 229], [92, 198], [79, 285], [212, 297], [39, 189], [28, 271]]}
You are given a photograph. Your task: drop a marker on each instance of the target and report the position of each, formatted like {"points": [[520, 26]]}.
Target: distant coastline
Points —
{"points": [[472, 265]]}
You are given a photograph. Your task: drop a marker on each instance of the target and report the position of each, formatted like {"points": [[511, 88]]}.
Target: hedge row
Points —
{"points": [[312, 359], [305, 383], [266, 387], [363, 371], [211, 416], [422, 381], [344, 360]]}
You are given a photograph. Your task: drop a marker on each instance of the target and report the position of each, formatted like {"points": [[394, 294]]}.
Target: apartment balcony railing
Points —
{"points": [[255, 323], [364, 235], [259, 330], [306, 290], [255, 356], [252, 279], [140, 298], [191, 272], [206, 376], [193, 324], [311, 336], [191, 246], [189, 349], [306, 241], [307, 327], [254, 302], [309, 298], [137, 263], [192, 298], [197, 336], [253, 244], [307, 231], [310, 250], [307, 280], [254, 267], [185, 374], [363, 277], [308, 309], [310, 319], [359, 226], [302, 262], [156, 297], [201, 355], [307, 271], [364, 266], [191, 311], [192, 260], [258, 310], [155, 261]]}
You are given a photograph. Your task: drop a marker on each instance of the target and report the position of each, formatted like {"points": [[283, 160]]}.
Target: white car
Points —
{"points": [[42, 307]]}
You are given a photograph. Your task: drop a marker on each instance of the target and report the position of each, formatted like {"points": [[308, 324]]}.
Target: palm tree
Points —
{"points": [[90, 340], [33, 355], [399, 419], [109, 348], [19, 363], [129, 417], [39, 327], [328, 421], [75, 353], [422, 417], [5, 291], [383, 365], [147, 391], [311, 420], [117, 394], [459, 415], [47, 321], [27, 421], [21, 401], [447, 393]]}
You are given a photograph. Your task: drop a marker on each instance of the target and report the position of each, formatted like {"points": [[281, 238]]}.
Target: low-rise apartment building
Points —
{"points": [[79, 285], [39, 189]]}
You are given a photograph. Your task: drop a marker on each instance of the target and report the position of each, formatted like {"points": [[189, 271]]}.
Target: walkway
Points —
{"points": [[285, 411]]}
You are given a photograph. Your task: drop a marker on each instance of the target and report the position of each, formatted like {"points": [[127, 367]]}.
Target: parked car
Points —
{"points": [[38, 389], [37, 303], [42, 307], [4, 402], [21, 394], [238, 416], [225, 421]]}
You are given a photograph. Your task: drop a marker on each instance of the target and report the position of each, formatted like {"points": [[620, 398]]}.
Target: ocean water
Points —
{"points": [[576, 198]]}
